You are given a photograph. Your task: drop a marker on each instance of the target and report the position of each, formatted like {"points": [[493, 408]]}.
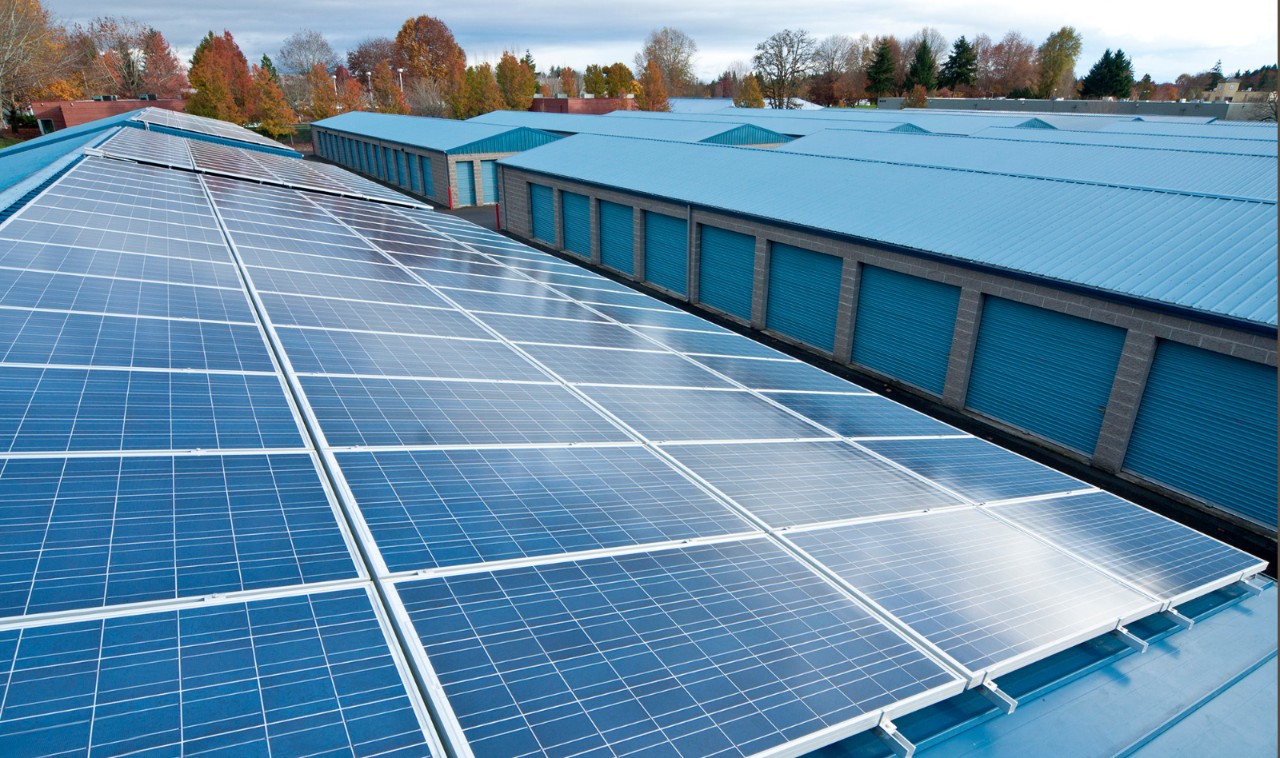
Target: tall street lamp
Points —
{"points": [[400, 71]]}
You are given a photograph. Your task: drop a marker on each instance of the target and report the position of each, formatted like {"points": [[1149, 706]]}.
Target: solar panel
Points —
{"points": [[589, 365], [336, 313], [709, 343], [974, 468], [726, 649], [306, 674], [1163, 558], [79, 533], [28, 255], [786, 484], [533, 329], [447, 507], [987, 594], [334, 352], [201, 125], [788, 374], [684, 414], [862, 415]]}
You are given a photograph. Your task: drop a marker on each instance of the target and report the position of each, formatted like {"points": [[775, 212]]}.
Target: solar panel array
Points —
{"points": [[248, 430], [201, 125]]}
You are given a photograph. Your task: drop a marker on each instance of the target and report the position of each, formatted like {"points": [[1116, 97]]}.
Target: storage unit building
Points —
{"points": [[1113, 335], [452, 163], [712, 132]]}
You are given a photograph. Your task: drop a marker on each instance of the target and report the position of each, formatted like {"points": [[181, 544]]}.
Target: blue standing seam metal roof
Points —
{"points": [[440, 134], [1261, 132], [1245, 177], [679, 131], [796, 126], [1141, 244], [1118, 139]]}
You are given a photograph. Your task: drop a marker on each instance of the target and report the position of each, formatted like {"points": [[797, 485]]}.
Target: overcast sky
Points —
{"points": [[1163, 38]]}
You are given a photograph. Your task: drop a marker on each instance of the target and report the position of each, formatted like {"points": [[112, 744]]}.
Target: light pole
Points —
{"points": [[334, 77], [400, 71]]}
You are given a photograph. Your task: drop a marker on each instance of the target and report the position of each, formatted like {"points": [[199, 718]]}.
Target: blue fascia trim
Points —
{"points": [[1215, 319]]}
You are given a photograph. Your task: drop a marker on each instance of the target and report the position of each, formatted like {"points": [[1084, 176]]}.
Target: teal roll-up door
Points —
{"points": [[428, 177], [388, 168], [726, 269], [1207, 426], [904, 327], [617, 237], [666, 251], [489, 176], [804, 295], [575, 211], [542, 210], [411, 172], [402, 163], [466, 184], [1045, 372]]}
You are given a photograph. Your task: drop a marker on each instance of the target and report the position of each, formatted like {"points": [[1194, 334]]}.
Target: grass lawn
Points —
{"points": [[6, 141]]}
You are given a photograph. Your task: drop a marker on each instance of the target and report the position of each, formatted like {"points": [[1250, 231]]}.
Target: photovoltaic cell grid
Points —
{"points": [[201, 125], [733, 646]]}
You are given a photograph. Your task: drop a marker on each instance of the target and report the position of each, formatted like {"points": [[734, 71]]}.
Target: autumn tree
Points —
{"points": [[653, 90], [918, 97], [750, 96], [960, 68], [305, 49], [593, 80], [370, 52], [272, 114], [427, 50], [880, 73], [220, 75], [672, 50], [516, 81], [781, 63], [34, 54], [387, 95], [321, 94], [569, 81], [162, 73], [923, 70], [618, 80], [351, 96], [479, 93], [1111, 76], [1056, 58], [1007, 67]]}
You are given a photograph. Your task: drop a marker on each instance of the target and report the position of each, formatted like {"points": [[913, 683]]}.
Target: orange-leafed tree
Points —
{"points": [[271, 111], [322, 96], [33, 54], [751, 96], [162, 73], [479, 93], [387, 95], [517, 82], [569, 82], [653, 92], [351, 94], [427, 50], [221, 79]]}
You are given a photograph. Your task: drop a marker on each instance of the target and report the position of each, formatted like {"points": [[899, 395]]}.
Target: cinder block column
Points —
{"points": [[593, 206], [963, 342], [695, 257], [1126, 395], [557, 205], [847, 309], [760, 285], [478, 181], [637, 243]]}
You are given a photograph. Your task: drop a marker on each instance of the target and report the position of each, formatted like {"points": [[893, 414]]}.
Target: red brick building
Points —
{"points": [[52, 115], [588, 105]]}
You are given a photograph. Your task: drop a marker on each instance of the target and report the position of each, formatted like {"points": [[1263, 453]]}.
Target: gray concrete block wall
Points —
{"points": [[1144, 327]]}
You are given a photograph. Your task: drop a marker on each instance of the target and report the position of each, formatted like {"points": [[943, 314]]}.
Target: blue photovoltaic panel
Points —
{"points": [[351, 288], [602, 297], [335, 352], [726, 649], [430, 260], [355, 411], [778, 375], [974, 468], [710, 343], [63, 259], [596, 366], [441, 508], [56, 410], [564, 331], [306, 675], [524, 306], [786, 484], [1162, 557], [980, 590], [483, 282], [134, 240], [333, 313], [125, 297], [670, 319], [80, 533], [92, 340], [683, 414], [320, 261], [864, 415]]}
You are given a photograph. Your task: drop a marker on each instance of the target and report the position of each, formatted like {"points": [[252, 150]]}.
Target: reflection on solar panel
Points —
{"points": [[201, 125], [247, 427]]}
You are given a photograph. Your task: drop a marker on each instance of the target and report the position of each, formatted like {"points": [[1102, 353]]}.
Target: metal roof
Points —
{"points": [[1240, 176], [795, 126], [1151, 245], [1217, 130], [440, 134], [1119, 139], [679, 131]]}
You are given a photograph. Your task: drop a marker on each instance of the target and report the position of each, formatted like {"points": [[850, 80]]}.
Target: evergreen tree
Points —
{"points": [[593, 82], [923, 69], [750, 96], [270, 68], [1215, 74], [1111, 76], [880, 72], [961, 68], [1146, 88], [618, 80]]}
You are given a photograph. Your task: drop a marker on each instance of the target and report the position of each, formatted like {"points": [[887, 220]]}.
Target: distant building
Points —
{"points": [[1228, 91], [583, 105], [52, 115]]}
